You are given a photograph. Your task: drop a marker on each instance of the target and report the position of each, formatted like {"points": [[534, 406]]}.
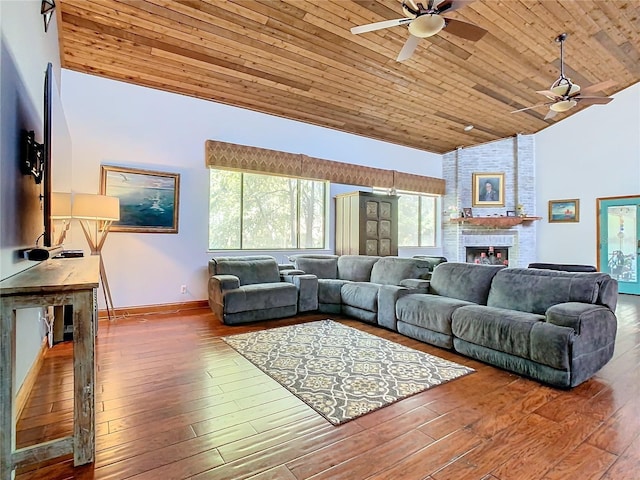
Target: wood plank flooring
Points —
{"points": [[174, 401]]}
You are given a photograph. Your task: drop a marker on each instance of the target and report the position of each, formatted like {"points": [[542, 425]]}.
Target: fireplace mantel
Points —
{"points": [[495, 222]]}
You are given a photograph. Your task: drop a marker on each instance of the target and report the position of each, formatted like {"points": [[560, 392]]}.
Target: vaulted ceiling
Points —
{"points": [[298, 59]]}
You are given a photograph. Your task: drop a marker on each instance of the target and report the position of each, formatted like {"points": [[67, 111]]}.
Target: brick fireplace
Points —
{"points": [[515, 157]]}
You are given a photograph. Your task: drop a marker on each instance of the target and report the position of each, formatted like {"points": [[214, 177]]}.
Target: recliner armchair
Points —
{"points": [[248, 289]]}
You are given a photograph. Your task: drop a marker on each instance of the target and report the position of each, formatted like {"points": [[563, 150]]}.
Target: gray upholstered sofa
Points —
{"points": [[250, 288], [362, 286], [556, 327]]}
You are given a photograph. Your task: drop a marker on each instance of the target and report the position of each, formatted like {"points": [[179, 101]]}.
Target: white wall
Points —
{"points": [[595, 153], [25, 52], [121, 124]]}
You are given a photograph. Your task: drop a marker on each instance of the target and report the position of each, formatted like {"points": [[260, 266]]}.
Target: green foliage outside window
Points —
{"points": [[265, 212], [416, 220]]}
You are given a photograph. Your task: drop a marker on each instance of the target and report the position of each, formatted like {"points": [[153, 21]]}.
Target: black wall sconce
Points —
{"points": [[46, 10]]}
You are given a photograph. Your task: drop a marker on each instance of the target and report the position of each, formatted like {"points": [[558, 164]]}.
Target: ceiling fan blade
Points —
{"points": [[550, 114], [380, 25], [547, 93], [465, 30], [408, 48], [529, 108], [597, 87], [594, 100], [451, 5]]}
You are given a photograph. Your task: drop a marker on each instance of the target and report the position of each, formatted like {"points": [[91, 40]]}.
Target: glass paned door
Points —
{"points": [[619, 241]]}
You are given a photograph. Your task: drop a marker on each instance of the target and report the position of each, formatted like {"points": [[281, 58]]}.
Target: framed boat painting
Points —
{"points": [[149, 200], [564, 210]]}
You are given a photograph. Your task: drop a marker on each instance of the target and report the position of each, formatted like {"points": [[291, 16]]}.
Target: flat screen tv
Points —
{"points": [[36, 161], [46, 147]]}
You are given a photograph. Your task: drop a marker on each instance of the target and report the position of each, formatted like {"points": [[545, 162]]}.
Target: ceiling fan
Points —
{"points": [[564, 94], [425, 22]]}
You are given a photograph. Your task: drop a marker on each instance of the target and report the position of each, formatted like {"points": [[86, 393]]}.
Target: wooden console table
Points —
{"points": [[69, 281]]}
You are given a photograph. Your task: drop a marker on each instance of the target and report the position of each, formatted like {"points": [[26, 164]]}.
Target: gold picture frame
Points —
{"points": [[564, 211], [488, 190], [149, 200]]}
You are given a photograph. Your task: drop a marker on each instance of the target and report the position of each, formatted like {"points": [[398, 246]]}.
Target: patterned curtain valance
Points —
{"points": [[261, 160]]}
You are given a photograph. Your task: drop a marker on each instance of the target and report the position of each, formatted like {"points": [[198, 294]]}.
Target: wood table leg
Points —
{"points": [[84, 377], [7, 382]]}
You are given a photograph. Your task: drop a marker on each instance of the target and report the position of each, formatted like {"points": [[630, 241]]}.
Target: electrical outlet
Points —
{"points": [[183, 289]]}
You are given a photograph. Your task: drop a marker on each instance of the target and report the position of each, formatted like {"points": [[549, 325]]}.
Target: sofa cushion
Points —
{"points": [[322, 266], [356, 268], [260, 296], [329, 290], [465, 281], [428, 311], [392, 270], [534, 290], [250, 270], [503, 330], [363, 295]]}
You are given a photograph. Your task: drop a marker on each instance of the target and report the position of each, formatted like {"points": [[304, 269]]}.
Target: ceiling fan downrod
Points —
{"points": [[563, 87]]}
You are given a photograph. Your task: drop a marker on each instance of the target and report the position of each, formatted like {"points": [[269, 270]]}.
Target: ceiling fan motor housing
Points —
{"points": [[564, 88]]}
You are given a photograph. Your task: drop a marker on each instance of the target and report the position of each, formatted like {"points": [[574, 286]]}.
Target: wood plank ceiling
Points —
{"points": [[297, 59]]}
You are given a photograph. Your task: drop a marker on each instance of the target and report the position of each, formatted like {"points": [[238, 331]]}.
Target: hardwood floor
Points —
{"points": [[174, 401]]}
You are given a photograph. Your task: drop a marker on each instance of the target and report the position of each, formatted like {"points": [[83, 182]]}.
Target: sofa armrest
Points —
{"points": [[290, 272], [307, 286], [218, 285], [416, 283], [595, 326], [225, 282], [388, 295], [576, 315]]}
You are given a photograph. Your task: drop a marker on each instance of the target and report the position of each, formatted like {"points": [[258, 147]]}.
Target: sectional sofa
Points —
{"points": [[556, 327], [553, 326]]}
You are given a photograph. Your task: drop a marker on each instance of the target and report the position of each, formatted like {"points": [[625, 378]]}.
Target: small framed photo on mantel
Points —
{"points": [[467, 212], [511, 213]]}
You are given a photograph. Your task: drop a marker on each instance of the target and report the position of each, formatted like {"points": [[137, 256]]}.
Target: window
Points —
{"points": [[416, 219], [265, 212]]}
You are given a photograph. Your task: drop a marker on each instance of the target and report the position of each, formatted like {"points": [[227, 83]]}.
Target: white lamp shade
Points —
{"points": [[426, 25], [90, 206], [60, 205]]}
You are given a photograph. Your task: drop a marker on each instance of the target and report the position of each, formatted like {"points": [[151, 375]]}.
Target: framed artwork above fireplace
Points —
{"points": [[488, 190]]}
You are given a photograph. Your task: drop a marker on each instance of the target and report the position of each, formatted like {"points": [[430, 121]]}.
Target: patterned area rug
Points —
{"points": [[342, 372]]}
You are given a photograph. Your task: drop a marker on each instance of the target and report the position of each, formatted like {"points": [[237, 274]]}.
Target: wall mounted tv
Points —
{"points": [[36, 161]]}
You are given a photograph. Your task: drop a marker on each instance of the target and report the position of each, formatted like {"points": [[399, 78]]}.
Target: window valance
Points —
{"points": [[261, 160]]}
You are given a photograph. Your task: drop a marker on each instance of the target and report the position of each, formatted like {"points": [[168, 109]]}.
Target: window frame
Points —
{"points": [[298, 209], [437, 199]]}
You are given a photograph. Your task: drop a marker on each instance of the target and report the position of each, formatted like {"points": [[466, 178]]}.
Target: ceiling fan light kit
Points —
{"points": [[426, 25], [563, 106]]}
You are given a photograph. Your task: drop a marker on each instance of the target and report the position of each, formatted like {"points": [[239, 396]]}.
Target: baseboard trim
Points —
{"points": [[30, 379], [154, 309]]}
